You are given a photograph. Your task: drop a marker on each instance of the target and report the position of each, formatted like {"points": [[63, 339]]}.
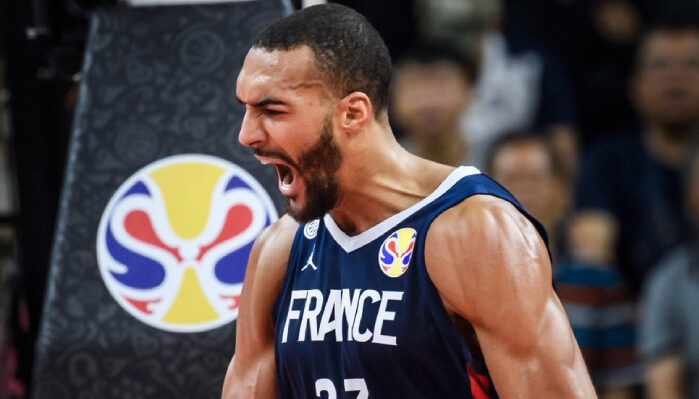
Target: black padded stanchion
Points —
{"points": [[159, 209]]}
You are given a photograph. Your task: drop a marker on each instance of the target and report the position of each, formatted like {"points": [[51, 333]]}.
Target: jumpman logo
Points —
{"points": [[309, 262]]}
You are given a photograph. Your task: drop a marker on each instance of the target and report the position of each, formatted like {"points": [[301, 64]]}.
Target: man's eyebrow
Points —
{"points": [[265, 101]]}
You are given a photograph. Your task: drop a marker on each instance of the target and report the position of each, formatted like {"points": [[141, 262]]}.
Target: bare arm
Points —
{"points": [[251, 373], [492, 268]]}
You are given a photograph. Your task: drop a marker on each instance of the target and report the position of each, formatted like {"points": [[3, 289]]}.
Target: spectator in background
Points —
{"points": [[629, 210], [431, 89], [602, 314], [521, 86], [670, 326], [529, 168], [628, 196], [595, 40]]}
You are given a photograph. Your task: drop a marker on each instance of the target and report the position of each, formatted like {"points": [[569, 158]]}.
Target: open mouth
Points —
{"points": [[286, 175]]}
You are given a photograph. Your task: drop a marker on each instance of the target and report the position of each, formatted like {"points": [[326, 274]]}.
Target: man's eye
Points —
{"points": [[273, 112]]}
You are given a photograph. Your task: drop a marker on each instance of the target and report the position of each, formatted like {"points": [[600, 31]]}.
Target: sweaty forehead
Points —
{"points": [[265, 72]]}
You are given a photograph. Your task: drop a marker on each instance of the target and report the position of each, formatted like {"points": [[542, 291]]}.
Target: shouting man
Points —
{"points": [[391, 276]]}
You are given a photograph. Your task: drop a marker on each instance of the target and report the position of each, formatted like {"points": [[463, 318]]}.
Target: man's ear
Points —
{"points": [[356, 110]]}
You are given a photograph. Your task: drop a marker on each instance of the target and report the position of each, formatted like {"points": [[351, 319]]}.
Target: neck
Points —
{"points": [[669, 145], [381, 179], [448, 149]]}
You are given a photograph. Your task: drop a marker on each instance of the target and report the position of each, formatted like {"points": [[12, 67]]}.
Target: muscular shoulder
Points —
{"points": [[482, 248], [270, 253], [482, 225], [272, 247]]}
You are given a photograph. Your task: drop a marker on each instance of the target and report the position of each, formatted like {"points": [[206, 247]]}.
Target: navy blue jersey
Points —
{"points": [[359, 317]]}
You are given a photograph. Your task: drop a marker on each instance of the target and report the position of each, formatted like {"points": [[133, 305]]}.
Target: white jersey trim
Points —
{"points": [[351, 243]]}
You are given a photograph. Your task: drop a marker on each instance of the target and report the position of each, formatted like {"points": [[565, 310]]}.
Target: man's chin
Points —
{"points": [[300, 213], [304, 212]]}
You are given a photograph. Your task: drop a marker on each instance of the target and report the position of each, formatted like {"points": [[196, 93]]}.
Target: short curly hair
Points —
{"points": [[348, 50]]}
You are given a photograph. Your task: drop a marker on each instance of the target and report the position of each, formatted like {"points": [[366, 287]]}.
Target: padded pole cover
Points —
{"points": [[159, 209]]}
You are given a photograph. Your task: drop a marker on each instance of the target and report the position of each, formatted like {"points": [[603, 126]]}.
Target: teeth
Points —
{"points": [[287, 179]]}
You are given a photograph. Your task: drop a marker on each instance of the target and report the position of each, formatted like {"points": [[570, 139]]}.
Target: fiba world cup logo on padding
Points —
{"points": [[174, 241]]}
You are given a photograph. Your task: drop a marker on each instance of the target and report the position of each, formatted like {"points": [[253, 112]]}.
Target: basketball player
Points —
{"points": [[391, 276]]}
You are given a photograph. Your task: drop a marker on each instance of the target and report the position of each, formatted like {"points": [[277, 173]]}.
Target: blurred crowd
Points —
{"points": [[588, 112]]}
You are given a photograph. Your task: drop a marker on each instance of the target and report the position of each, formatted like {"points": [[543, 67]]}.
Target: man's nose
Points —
{"points": [[251, 133]]}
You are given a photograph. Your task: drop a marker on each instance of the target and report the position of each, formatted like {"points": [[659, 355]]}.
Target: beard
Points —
{"points": [[318, 168]]}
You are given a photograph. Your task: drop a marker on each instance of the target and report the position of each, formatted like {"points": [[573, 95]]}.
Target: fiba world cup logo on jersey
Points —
{"points": [[396, 252], [174, 241]]}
